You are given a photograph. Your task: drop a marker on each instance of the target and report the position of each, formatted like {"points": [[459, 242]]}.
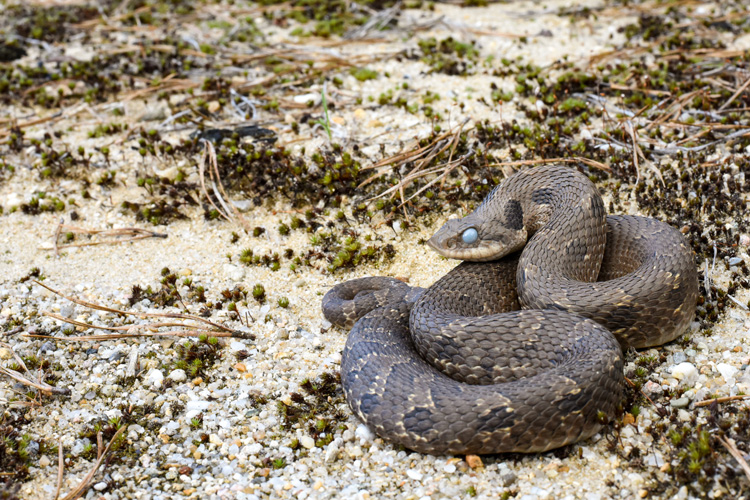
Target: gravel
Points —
{"points": [[221, 434]]}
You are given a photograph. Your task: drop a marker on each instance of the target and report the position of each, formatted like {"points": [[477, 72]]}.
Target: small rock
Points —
{"points": [[679, 357], [307, 442], [474, 461], [415, 475], [67, 310], [177, 375], [44, 461], [735, 261], [5, 353], [333, 449], [686, 372], [652, 388], [115, 356], [305, 98], [364, 434], [679, 403], [101, 486], [727, 371], [155, 378], [234, 273], [449, 468]]}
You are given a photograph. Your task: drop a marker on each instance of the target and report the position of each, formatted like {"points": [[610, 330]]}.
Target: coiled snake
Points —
{"points": [[458, 368]]}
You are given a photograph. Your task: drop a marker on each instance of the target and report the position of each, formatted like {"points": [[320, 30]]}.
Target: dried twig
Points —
{"points": [[79, 490], [732, 449], [38, 384], [735, 95], [131, 233], [218, 330], [228, 211], [724, 399], [60, 468]]}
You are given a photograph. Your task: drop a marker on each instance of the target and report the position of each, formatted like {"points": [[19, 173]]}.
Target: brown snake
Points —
{"points": [[458, 368]]}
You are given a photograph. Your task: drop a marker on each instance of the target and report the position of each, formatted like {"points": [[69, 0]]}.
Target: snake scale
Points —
{"points": [[519, 347]]}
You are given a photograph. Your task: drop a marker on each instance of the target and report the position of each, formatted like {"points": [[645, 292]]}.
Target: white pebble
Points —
{"points": [[686, 372], [364, 434], [234, 273], [417, 476], [177, 375], [307, 442], [100, 486], [155, 378], [449, 468], [727, 371], [333, 449]]}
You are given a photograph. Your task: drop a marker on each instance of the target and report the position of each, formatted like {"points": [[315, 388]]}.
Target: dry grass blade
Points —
{"points": [[44, 387], [60, 468], [98, 307], [735, 95], [725, 399], [576, 159], [732, 449], [86, 482], [228, 211], [117, 336], [130, 234]]}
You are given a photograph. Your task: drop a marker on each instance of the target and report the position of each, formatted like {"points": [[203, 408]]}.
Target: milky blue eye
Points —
{"points": [[470, 236]]}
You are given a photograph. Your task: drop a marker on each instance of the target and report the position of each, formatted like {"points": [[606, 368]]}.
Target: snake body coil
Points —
{"points": [[458, 368]]}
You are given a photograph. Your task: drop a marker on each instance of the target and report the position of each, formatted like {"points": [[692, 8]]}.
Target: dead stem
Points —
{"points": [[725, 399], [83, 486], [42, 386], [228, 211], [732, 449], [229, 331], [132, 233]]}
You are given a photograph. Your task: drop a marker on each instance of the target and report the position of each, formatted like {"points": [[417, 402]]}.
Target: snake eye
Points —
{"points": [[470, 236]]}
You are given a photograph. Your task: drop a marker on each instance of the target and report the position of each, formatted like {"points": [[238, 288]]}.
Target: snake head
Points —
{"points": [[474, 238]]}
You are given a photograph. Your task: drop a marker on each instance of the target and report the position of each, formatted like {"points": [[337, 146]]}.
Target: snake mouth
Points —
{"points": [[486, 250]]}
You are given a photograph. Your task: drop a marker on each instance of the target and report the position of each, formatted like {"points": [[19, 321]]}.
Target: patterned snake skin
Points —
{"points": [[458, 368]]}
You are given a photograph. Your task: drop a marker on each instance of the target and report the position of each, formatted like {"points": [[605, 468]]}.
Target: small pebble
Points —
{"points": [[685, 372], [679, 403], [307, 442], [177, 375]]}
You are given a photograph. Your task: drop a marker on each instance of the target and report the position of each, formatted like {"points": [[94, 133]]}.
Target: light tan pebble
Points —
{"points": [[240, 367], [338, 120], [214, 439], [186, 272], [307, 442], [44, 461], [197, 381], [360, 114], [5, 353], [197, 455], [474, 461], [354, 452], [317, 485], [642, 493], [213, 106], [415, 475], [374, 123]]}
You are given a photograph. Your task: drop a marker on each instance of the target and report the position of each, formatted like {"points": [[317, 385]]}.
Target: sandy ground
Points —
{"points": [[296, 343]]}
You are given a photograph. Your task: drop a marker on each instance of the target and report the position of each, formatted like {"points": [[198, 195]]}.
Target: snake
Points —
{"points": [[519, 348]]}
